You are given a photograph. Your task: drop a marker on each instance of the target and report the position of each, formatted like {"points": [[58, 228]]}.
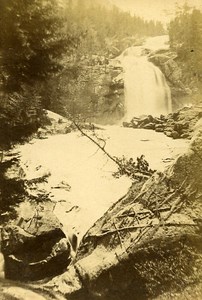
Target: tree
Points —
{"points": [[185, 32], [32, 39]]}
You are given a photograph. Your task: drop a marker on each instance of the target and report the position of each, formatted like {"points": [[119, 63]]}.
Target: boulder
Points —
{"points": [[175, 134], [168, 133], [145, 120], [149, 126], [35, 248], [178, 124], [159, 129], [127, 124]]}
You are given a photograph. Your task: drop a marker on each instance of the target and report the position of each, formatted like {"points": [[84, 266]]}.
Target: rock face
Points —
{"points": [[109, 90], [172, 70], [149, 242], [179, 124], [35, 248], [102, 90]]}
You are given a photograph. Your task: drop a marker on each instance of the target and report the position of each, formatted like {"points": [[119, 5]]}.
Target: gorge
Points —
{"points": [[78, 177]]}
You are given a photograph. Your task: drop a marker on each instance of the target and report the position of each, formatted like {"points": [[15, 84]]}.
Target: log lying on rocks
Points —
{"points": [[149, 242]]}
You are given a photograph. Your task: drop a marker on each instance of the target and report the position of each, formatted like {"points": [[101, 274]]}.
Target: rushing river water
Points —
{"points": [[75, 160]]}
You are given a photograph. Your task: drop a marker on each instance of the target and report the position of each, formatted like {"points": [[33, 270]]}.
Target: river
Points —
{"points": [[75, 160]]}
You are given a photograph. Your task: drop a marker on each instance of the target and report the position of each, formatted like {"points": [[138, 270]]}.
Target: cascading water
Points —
{"points": [[146, 89]]}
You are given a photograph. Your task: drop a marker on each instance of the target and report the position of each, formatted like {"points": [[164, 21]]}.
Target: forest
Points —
{"points": [[185, 33]]}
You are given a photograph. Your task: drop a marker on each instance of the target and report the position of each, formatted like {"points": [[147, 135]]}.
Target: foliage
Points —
{"points": [[108, 27], [185, 32], [20, 114], [32, 39]]}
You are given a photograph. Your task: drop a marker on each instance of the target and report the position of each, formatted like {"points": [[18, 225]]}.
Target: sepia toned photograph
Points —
{"points": [[100, 150]]}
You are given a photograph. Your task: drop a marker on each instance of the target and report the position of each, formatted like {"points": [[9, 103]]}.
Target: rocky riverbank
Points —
{"points": [[179, 124]]}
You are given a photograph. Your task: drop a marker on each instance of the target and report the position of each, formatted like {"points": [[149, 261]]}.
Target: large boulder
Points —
{"points": [[35, 247]]}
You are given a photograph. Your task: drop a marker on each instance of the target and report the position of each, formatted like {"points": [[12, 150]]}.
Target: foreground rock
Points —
{"points": [[35, 247], [149, 242], [179, 124]]}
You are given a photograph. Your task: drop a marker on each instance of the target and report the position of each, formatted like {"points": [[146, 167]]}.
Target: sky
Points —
{"points": [[161, 10]]}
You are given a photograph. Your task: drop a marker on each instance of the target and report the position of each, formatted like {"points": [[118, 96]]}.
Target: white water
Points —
{"points": [[76, 160], [146, 89]]}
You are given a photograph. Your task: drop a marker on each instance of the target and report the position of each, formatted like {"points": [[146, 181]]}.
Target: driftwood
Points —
{"points": [[97, 144], [144, 212], [138, 174], [142, 226]]}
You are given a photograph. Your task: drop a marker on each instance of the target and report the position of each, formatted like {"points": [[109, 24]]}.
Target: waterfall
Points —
{"points": [[146, 89]]}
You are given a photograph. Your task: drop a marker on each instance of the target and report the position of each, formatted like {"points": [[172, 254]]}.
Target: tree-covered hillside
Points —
{"points": [[185, 33], [105, 24]]}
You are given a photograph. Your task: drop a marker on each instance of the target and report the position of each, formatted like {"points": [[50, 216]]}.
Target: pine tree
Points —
{"points": [[32, 39]]}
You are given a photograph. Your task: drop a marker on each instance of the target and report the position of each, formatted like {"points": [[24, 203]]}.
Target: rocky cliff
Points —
{"points": [[184, 89]]}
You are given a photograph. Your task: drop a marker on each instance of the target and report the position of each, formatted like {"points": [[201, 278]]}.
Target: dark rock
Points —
{"points": [[179, 124], [145, 120], [200, 114], [134, 124], [35, 248], [162, 117], [19, 268], [170, 122], [175, 134], [178, 127], [175, 115], [185, 136], [159, 127], [159, 121], [68, 130], [168, 133], [127, 124], [185, 125], [149, 126]]}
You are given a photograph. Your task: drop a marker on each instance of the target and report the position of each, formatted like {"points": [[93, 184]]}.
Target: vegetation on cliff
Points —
{"points": [[185, 32]]}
